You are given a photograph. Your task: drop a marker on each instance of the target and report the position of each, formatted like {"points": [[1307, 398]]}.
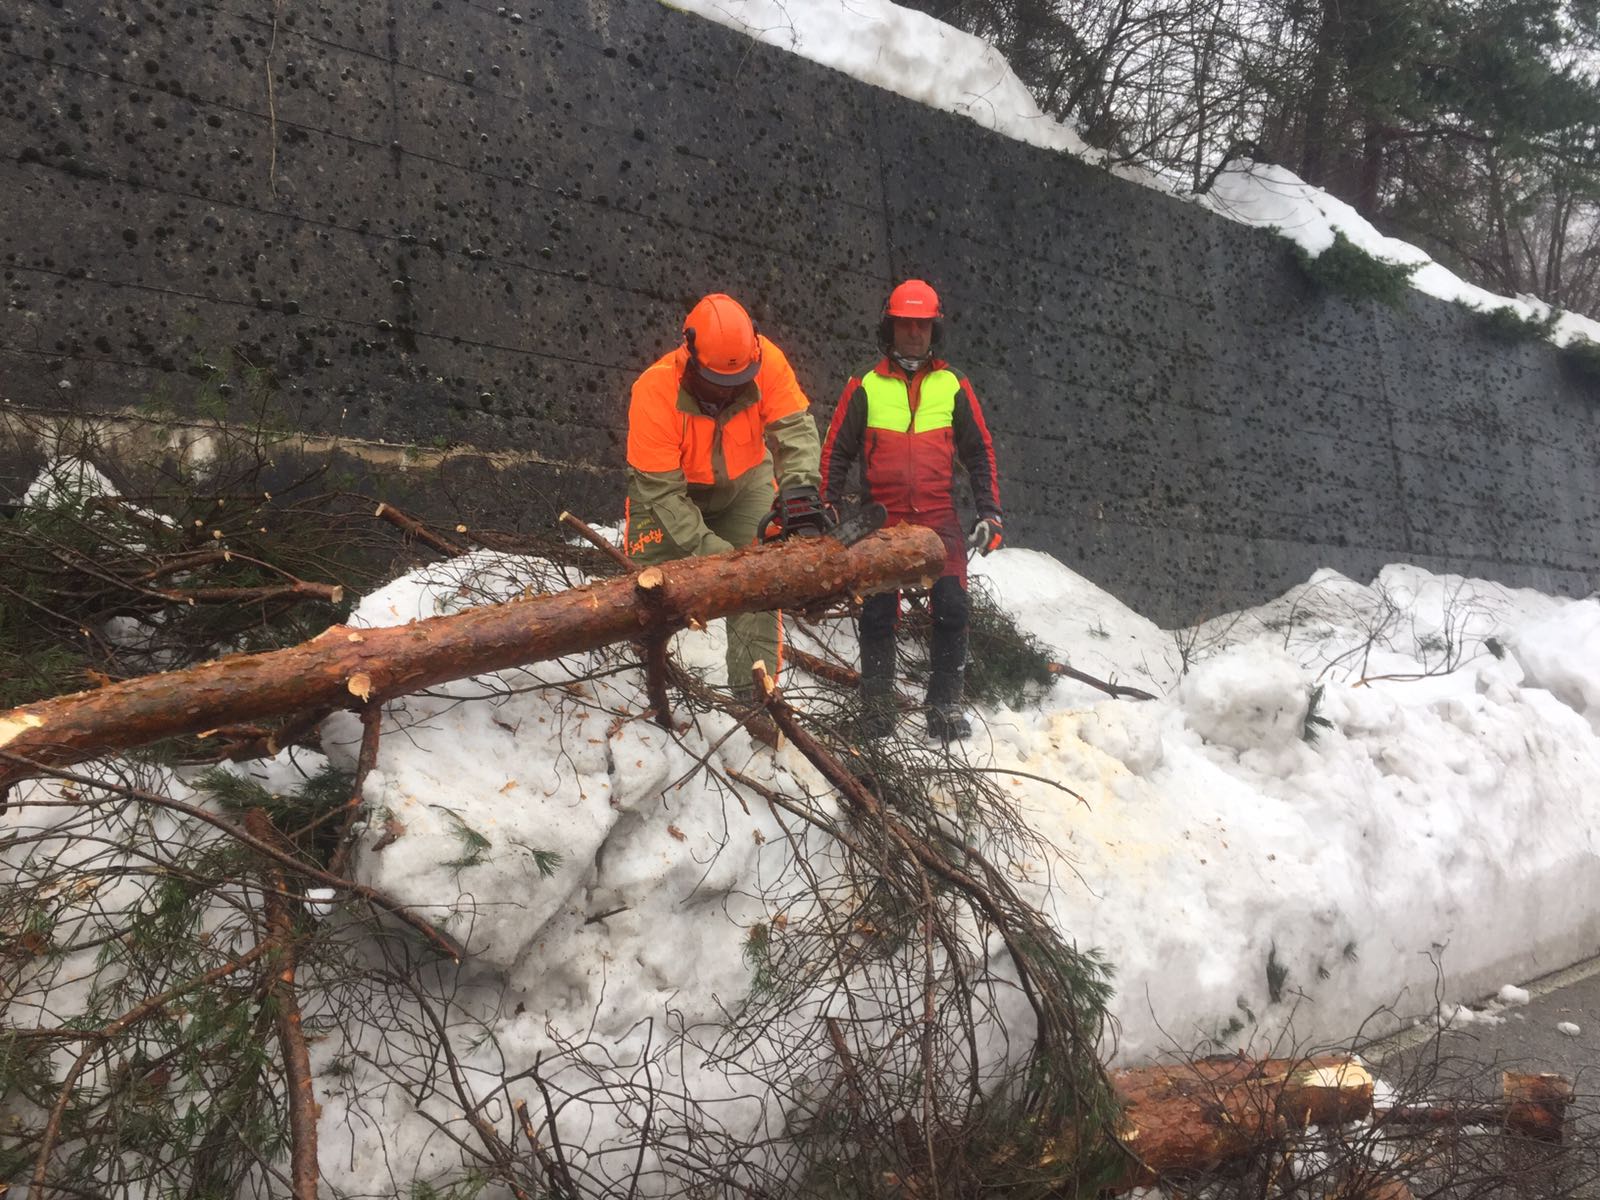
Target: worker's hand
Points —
{"points": [[987, 534]]}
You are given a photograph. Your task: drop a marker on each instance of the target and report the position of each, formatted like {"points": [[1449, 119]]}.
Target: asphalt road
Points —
{"points": [[1468, 1060], [1527, 1037]]}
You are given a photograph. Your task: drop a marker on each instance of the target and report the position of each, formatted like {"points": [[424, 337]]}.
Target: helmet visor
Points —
{"points": [[737, 378]]}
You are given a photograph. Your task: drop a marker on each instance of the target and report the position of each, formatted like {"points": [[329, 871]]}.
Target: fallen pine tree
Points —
{"points": [[352, 668]]}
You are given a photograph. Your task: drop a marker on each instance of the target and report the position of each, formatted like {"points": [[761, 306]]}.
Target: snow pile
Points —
{"points": [[1334, 793], [1248, 882], [602, 884], [920, 57], [66, 483], [907, 52]]}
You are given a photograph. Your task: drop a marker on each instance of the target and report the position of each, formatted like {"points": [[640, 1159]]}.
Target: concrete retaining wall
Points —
{"points": [[450, 223]]}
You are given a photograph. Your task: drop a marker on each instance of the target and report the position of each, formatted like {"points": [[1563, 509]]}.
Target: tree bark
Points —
{"points": [[346, 667], [1532, 1106], [1195, 1115]]}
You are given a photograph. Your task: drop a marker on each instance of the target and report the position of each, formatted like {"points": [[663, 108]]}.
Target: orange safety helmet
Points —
{"points": [[721, 340], [917, 300], [913, 298]]}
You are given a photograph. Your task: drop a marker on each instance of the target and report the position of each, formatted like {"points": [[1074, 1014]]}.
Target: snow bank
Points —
{"points": [[1252, 884], [1333, 793]]}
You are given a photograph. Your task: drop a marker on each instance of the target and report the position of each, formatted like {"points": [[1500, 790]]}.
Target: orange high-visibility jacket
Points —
{"points": [[667, 431]]}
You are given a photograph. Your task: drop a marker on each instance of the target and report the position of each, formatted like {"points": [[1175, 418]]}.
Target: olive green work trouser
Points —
{"points": [[752, 637]]}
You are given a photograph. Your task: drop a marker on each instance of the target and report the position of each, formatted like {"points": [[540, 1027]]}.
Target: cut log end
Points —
{"points": [[17, 723], [1536, 1105], [650, 578]]}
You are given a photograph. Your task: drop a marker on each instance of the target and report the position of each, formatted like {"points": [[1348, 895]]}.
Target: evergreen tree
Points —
{"points": [[1468, 126]]}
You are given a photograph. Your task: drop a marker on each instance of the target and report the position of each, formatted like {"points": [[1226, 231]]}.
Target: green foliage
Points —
{"points": [[1507, 324], [315, 796], [1314, 722], [474, 846], [468, 1187], [1277, 974], [1349, 271], [995, 1138], [101, 587], [27, 673], [546, 862], [1005, 666], [758, 957], [1582, 356]]}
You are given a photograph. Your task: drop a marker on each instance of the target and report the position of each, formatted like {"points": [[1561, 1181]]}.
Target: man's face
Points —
{"points": [[912, 336], [716, 395]]}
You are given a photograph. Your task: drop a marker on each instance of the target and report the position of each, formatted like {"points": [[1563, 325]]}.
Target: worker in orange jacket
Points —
{"points": [[714, 427], [909, 420]]}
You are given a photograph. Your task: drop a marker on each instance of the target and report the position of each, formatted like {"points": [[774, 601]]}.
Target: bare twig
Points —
{"points": [[414, 528], [436, 936], [105, 1033], [302, 1098]]}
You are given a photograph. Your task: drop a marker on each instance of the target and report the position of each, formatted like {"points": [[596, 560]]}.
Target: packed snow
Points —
{"points": [[1444, 816], [881, 43], [1257, 880]]}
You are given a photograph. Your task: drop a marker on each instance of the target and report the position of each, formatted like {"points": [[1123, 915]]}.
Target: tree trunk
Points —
{"points": [[1531, 1106], [1193, 1116], [1319, 99], [1196, 1116], [345, 667]]}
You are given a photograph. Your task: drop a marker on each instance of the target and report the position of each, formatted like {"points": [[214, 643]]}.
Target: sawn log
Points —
{"points": [[347, 667], [1193, 1116]]}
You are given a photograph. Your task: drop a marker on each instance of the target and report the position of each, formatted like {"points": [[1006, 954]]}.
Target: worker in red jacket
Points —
{"points": [[909, 420]]}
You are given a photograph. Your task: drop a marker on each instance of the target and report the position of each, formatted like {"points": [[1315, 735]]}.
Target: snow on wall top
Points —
{"points": [[923, 59]]}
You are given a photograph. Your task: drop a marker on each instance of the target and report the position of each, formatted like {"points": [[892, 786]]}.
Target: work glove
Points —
{"points": [[799, 512], [987, 534]]}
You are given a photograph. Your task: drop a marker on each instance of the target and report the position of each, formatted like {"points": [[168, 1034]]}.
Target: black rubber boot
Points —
{"points": [[947, 723], [946, 660], [877, 686]]}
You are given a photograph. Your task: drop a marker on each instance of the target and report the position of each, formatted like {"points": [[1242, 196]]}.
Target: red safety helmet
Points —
{"points": [[915, 299], [722, 342]]}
